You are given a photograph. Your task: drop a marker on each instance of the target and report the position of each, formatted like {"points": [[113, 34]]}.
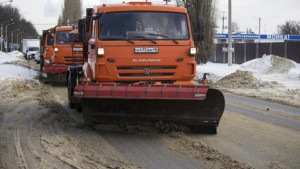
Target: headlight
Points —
{"points": [[193, 51], [47, 61], [101, 51], [56, 49]]}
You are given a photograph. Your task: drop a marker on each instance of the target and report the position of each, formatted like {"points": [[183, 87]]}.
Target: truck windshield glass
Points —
{"points": [[143, 26], [63, 37]]}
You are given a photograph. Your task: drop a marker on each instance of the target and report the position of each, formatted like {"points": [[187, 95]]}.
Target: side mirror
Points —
{"points": [[89, 12], [82, 30]]}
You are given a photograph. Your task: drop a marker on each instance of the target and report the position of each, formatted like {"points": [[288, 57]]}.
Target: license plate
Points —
{"points": [[78, 49], [146, 50]]}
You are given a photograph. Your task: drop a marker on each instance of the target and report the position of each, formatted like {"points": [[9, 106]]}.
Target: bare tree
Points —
{"points": [[235, 27], [290, 27], [71, 12], [203, 21], [9, 12]]}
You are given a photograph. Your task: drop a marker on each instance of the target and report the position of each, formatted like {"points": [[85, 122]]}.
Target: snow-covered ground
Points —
{"points": [[14, 66], [269, 78], [286, 73]]}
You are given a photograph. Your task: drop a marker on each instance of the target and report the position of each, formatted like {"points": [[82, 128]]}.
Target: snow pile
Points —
{"points": [[266, 72], [239, 79], [216, 70], [269, 65], [294, 73], [19, 85], [9, 57], [14, 66]]}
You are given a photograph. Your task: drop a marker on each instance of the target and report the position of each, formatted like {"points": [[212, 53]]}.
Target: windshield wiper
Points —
{"points": [[130, 41], [138, 36], [165, 36]]}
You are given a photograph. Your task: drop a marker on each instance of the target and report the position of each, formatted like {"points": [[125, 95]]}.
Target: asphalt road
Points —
{"points": [[38, 130]]}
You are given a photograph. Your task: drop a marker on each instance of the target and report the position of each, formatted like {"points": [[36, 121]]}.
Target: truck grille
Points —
{"points": [[73, 60], [144, 67], [142, 74], [139, 71]]}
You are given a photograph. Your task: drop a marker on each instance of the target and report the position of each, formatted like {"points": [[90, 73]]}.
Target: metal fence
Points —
{"points": [[244, 52]]}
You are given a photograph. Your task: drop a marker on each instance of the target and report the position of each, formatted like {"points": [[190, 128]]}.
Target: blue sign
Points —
{"points": [[256, 36]]}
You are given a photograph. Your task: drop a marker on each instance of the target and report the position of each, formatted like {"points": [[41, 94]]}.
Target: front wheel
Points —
{"points": [[41, 62], [71, 86]]}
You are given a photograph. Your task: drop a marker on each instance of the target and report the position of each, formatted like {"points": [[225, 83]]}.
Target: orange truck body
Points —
{"points": [[135, 71], [62, 51], [173, 63]]}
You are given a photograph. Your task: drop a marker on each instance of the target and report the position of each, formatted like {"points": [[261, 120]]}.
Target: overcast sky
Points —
{"points": [[44, 13]]}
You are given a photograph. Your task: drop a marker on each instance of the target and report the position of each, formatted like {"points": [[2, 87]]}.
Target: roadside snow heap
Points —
{"points": [[16, 72], [253, 74], [269, 65], [13, 65], [239, 79]]}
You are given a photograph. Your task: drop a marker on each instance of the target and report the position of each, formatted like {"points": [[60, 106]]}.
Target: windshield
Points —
{"points": [[143, 25], [63, 37], [34, 49]]}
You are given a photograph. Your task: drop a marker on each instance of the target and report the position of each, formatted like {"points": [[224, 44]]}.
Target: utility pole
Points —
{"points": [[2, 32], [229, 35], [18, 39], [6, 30], [259, 20], [12, 37]]}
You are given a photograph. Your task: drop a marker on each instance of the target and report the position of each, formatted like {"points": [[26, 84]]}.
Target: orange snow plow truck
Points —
{"points": [[140, 66], [61, 47]]}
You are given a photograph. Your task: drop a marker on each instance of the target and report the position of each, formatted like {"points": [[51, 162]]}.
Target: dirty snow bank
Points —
{"points": [[14, 66], [269, 65], [271, 78]]}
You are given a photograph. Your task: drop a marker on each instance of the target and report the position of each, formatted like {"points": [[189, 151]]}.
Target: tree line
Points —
{"points": [[11, 19]]}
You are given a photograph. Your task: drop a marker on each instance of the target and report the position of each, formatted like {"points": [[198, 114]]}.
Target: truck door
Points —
{"points": [[92, 49], [48, 47]]}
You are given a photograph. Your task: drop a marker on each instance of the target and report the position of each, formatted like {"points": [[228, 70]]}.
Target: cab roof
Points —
{"points": [[138, 6], [64, 28]]}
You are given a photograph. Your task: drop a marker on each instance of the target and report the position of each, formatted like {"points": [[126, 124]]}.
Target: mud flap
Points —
{"points": [[57, 78]]}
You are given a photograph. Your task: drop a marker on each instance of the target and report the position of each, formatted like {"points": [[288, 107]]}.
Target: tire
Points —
{"points": [[41, 62], [71, 85]]}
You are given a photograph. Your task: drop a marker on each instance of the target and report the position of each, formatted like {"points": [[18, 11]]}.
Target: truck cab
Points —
{"points": [[140, 41], [67, 47]]}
